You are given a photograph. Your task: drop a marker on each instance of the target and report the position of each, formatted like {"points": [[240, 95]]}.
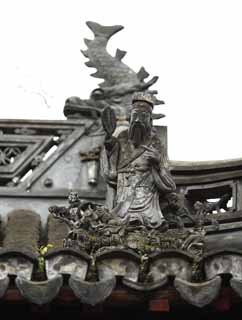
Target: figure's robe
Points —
{"points": [[135, 185]]}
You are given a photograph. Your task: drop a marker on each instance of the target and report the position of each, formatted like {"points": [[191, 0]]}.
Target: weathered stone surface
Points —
{"points": [[22, 231], [39, 292], [138, 160], [236, 284], [223, 262], [119, 262], [92, 292], [228, 239], [66, 261], [198, 294], [120, 81], [57, 231], [171, 264], [17, 266], [119, 267]]}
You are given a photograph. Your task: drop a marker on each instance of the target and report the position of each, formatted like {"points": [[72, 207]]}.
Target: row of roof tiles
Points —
{"points": [[20, 259]]}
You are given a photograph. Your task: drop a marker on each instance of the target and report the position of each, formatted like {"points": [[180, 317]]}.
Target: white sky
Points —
{"points": [[194, 46]]}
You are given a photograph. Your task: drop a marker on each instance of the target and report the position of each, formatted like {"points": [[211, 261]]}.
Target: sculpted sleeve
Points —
{"points": [[163, 180], [161, 174]]}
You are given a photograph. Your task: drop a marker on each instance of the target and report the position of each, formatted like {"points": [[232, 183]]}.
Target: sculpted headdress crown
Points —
{"points": [[143, 96], [148, 98]]}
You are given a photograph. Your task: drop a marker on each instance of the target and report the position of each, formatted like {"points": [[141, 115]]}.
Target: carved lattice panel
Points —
{"points": [[9, 154], [30, 150], [17, 154]]}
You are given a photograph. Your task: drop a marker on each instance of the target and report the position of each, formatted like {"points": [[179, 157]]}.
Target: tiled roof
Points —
{"points": [[41, 279]]}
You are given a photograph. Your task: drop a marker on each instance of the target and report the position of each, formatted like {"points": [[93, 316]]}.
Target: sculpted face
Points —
{"points": [[140, 122]]}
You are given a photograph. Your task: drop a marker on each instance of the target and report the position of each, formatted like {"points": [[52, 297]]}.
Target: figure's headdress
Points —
{"points": [[149, 99], [143, 96]]}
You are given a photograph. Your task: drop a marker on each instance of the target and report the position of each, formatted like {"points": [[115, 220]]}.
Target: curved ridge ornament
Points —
{"points": [[120, 81]]}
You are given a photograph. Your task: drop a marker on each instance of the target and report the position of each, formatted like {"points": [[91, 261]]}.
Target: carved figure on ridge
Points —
{"points": [[134, 166]]}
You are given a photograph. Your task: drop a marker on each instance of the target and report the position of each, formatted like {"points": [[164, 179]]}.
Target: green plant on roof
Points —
{"points": [[41, 259]]}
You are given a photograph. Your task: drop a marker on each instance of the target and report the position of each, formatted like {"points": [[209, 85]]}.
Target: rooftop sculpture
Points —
{"points": [[143, 211], [133, 216]]}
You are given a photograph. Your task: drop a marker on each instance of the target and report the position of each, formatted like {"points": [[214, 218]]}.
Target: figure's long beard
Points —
{"points": [[138, 133]]}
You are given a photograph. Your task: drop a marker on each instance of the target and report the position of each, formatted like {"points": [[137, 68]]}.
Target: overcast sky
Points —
{"points": [[194, 46]]}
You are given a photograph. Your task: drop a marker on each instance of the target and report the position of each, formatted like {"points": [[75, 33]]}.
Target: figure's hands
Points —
{"points": [[152, 155]]}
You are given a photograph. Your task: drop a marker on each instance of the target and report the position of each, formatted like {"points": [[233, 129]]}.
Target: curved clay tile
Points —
{"points": [[199, 294], [92, 292], [22, 231], [57, 231], [40, 292]]}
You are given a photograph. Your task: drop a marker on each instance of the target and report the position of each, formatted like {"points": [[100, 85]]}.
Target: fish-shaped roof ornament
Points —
{"points": [[120, 82]]}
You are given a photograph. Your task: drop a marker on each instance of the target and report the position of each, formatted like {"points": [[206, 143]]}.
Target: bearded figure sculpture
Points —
{"points": [[134, 166]]}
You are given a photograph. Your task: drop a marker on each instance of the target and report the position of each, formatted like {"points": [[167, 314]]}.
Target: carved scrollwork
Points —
{"points": [[93, 229]]}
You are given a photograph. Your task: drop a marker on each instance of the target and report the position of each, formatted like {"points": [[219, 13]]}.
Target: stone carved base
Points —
{"points": [[95, 230]]}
